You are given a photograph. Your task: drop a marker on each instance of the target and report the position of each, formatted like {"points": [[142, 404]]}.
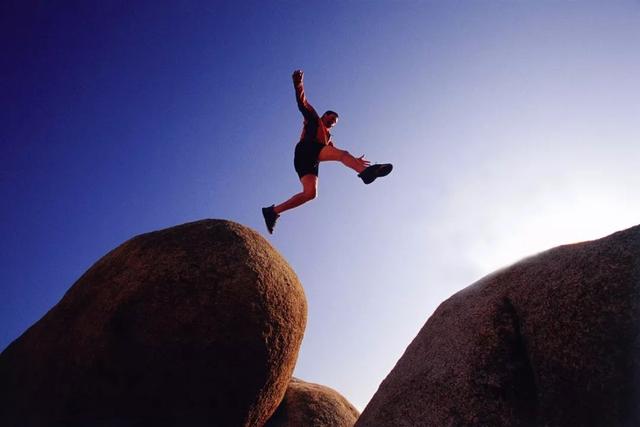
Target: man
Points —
{"points": [[316, 146]]}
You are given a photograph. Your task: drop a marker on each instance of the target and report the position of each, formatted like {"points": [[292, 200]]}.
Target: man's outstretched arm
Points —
{"points": [[305, 108]]}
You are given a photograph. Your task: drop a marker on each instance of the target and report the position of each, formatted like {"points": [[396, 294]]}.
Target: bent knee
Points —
{"points": [[310, 194]]}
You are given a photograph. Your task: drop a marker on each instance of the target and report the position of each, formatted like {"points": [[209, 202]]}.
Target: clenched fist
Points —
{"points": [[297, 76]]}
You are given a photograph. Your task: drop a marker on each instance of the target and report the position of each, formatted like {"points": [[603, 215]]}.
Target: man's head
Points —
{"points": [[329, 118]]}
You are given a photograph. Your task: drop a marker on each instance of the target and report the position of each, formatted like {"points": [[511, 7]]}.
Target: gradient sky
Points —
{"points": [[512, 125]]}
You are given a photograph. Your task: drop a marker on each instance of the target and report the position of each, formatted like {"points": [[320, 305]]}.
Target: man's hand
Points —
{"points": [[297, 76]]}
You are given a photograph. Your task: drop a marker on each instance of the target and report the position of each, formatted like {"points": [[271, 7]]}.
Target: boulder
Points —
{"points": [[550, 341], [195, 325], [313, 405]]}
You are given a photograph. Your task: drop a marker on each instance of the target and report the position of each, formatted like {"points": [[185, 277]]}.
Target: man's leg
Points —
{"points": [[309, 192], [330, 153], [366, 172]]}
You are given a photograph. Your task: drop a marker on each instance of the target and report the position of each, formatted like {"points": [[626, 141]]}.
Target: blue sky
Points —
{"points": [[512, 126]]}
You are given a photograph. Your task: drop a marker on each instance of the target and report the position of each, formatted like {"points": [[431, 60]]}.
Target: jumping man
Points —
{"points": [[316, 146]]}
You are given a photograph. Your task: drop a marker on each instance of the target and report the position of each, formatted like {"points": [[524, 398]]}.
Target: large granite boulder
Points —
{"points": [[550, 341], [195, 325], [313, 405]]}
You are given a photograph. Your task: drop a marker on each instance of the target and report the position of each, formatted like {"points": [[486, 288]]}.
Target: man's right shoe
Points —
{"points": [[270, 217], [375, 171]]}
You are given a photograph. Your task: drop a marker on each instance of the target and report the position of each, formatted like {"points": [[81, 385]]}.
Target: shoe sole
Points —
{"points": [[266, 222], [380, 172], [384, 171]]}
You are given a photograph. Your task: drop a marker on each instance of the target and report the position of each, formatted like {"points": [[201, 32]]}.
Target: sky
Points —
{"points": [[512, 127]]}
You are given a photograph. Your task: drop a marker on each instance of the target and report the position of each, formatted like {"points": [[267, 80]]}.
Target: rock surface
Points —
{"points": [[194, 325], [313, 405], [550, 341]]}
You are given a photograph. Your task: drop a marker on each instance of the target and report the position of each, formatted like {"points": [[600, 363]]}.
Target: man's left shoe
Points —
{"points": [[375, 171], [270, 217]]}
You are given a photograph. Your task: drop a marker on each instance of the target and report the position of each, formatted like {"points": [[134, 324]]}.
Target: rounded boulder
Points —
{"points": [[198, 324], [313, 405], [550, 341]]}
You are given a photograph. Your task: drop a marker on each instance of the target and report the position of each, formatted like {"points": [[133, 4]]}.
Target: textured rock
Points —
{"points": [[313, 405], [195, 325], [551, 341]]}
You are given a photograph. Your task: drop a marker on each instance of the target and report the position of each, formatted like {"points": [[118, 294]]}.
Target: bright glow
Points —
{"points": [[584, 217], [516, 224]]}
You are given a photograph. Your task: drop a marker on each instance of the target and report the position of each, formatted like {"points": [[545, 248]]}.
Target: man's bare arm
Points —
{"points": [[305, 108]]}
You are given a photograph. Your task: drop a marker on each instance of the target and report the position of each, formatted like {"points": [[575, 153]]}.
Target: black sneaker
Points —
{"points": [[270, 217], [375, 171]]}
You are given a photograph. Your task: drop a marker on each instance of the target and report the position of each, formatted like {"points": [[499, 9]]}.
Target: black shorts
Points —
{"points": [[305, 159]]}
